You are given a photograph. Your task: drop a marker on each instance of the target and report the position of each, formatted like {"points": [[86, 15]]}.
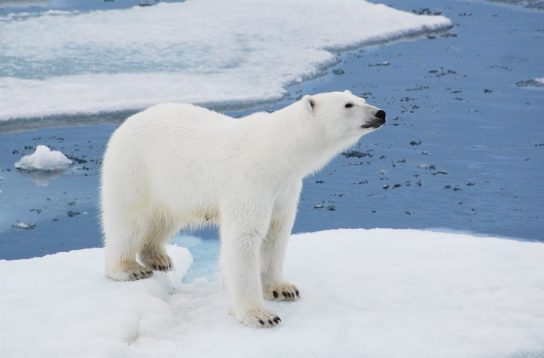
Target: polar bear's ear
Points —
{"points": [[309, 102], [347, 92]]}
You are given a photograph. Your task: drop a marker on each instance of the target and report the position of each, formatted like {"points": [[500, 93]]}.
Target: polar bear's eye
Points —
{"points": [[349, 105]]}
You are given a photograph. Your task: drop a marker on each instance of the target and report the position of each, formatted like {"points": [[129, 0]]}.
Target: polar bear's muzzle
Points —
{"points": [[377, 121]]}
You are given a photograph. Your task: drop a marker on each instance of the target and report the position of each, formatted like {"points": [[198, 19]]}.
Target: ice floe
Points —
{"points": [[65, 62], [365, 293]]}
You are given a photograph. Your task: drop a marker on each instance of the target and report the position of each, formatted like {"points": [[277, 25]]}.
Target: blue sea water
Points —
{"points": [[463, 148]]}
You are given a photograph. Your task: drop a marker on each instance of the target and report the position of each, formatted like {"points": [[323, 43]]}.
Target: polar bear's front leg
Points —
{"points": [[243, 227], [273, 247]]}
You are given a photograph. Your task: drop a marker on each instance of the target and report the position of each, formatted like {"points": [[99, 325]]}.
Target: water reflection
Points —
{"points": [[40, 177]]}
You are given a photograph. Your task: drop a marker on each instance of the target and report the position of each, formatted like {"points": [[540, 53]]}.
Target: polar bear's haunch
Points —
{"points": [[174, 166]]}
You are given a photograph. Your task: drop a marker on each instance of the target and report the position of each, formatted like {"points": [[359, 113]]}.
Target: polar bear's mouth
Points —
{"points": [[375, 123]]}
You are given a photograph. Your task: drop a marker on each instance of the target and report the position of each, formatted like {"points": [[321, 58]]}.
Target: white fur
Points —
{"points": [[178, 165]]}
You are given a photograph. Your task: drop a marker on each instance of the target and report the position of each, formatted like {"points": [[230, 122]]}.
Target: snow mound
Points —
{"points": [[194, 51], [366, 293], [44, 159]]}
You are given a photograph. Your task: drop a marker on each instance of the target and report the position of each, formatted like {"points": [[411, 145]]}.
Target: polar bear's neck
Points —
{"points": [[291, 144]]}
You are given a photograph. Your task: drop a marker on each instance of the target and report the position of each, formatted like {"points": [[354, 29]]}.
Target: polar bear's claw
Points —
{"points": [[282, 292], [157, 267], [138, 275], [157, 261], [261, 318], [128, 271], [267, 323]]}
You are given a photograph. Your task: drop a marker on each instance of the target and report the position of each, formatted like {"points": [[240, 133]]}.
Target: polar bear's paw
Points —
{"points": [[129, 271], [157, 261], [260, 317], [282, 292]]}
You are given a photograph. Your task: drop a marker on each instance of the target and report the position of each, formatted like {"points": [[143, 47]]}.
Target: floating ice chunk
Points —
{"points": [[24, 226], [44, 159], [534, 82]]}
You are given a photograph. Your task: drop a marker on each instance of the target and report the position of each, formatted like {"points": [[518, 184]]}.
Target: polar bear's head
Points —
{"points": [[342, 115]]}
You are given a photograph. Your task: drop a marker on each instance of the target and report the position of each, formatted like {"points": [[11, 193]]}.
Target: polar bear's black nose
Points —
{"points": [[380, 114]]}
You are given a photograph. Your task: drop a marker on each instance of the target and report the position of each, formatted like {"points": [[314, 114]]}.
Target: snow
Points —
{"points": [[63, 62], [44, 159], [372, 293]]}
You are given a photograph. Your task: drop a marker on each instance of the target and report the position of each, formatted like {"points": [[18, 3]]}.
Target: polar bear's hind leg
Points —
{"points": [[124, 239], [153, 254]]}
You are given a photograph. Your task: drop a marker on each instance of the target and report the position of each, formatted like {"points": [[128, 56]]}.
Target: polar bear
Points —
{"points": [[174, 166]]}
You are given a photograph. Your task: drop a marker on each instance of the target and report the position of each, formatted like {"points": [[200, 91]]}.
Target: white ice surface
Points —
{"points": [[196, 51], [365, 293], [44, 159]]}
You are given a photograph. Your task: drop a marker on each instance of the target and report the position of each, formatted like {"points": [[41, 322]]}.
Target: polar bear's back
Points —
{"points": [[177, 115], [172, 124]]}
